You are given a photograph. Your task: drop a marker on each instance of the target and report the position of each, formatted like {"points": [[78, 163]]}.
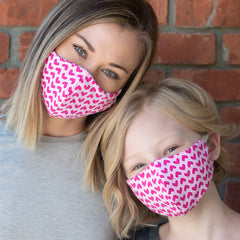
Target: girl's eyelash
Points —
{"points": [[172, 149], [81, 51], [111, 74], [138, 166]]}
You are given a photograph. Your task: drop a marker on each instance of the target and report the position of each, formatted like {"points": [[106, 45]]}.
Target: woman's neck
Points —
{"points": [[209, 220], [59, 127]]}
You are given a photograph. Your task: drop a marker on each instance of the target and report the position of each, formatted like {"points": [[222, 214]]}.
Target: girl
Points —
{"points": [[165, 153], [86, 55]]}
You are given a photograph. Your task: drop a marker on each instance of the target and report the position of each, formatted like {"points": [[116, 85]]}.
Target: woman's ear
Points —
{"points": [[214, 147]]}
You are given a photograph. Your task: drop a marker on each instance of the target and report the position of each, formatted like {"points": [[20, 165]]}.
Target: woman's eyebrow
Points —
{"points": [[90, 47], [118, 66]]}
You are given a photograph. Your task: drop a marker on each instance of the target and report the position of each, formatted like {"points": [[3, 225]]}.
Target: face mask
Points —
{"points": [[69, 91], [172, 186]]}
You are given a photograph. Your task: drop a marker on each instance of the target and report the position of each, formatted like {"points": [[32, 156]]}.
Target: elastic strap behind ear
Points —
{"points": [[205, 137]]}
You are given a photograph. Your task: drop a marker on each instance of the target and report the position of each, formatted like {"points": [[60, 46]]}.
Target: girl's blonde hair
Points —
{"points": [[23, 110], [180, 99]]}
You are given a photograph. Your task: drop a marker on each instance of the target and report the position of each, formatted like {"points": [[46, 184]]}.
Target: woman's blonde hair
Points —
{"points": [[180, 99], [23, 110]]}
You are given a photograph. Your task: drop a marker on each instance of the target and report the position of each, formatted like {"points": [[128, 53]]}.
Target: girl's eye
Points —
{"points": [[171, 149], [138, 166], [81, 52], [111, 74]]}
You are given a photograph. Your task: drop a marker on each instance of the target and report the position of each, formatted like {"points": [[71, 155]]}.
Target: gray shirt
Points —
{"points": [[42, 193]]}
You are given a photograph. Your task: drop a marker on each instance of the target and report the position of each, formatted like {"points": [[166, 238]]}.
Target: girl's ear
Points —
{"points": [[214, 147]]}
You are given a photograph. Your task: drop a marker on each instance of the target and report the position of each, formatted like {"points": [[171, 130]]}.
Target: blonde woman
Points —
{"points": [[86, 56], [164, 158]]}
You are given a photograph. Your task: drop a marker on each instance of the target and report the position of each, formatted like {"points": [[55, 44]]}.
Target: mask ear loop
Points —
{"points": [[205, 137]]}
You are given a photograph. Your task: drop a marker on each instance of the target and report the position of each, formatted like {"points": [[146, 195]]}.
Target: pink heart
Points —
{"points": [[182, 167], [194, 170], [176, 161], [170, 177], [193, 157], [177, 174], [172, 167], [187, 174], [191, 180], [65, 66], [53, 74], [179, 190], [175, 184], [182, 180], [190, 163]]}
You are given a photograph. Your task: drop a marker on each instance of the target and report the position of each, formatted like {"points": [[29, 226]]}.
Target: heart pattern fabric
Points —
{"points": [[173, 186], [69, 91]]}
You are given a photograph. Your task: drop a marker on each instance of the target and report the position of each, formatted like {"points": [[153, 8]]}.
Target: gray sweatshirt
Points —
{"points": [[42, 193]]}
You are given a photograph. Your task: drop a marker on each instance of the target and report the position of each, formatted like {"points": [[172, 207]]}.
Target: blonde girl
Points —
{"points": [[164, 156]]}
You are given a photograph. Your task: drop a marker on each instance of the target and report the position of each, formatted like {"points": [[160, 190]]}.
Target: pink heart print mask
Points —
{"points": [[69, 91], [172, 186]]}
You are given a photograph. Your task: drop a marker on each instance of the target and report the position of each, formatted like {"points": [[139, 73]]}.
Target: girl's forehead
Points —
{"points": [[151, 126], [148, 120]]}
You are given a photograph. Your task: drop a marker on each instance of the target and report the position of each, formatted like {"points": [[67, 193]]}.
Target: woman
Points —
{"points": [[86, 56], [165, 158]]}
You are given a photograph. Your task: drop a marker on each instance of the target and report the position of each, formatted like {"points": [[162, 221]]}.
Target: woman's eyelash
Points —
{"points": [[111, 74], [81, 51]]}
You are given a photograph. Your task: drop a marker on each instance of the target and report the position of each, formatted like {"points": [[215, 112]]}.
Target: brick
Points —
{"points": [[207, 13], [4, 46], [230, 115], [233, 167], [231, 48], [191, 13], [161, 9], [227, 13], [8, 79], [154, 76], [24, 13], [25, 40], [179, 48], [232, 195], [223, 85]]}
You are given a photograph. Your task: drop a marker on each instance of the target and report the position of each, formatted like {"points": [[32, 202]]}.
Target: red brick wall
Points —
{"points": [[198, 40]]}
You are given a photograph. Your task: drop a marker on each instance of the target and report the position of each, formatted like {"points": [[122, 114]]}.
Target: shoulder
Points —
{"points": [[7, 140], [4, 131], [146, 233], [2, 125]]}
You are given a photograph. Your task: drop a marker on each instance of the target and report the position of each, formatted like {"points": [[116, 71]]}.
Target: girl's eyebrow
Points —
{"points": [[90, 47], [129, 158]]}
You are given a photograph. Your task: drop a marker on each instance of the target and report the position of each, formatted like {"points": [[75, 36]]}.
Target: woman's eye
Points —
{"points": [[111, 74], [80, 51], [171, 149]]}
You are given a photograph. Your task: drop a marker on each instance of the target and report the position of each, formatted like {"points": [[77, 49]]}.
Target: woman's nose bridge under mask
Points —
{"points": [[172, 186], [69, 91]]}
